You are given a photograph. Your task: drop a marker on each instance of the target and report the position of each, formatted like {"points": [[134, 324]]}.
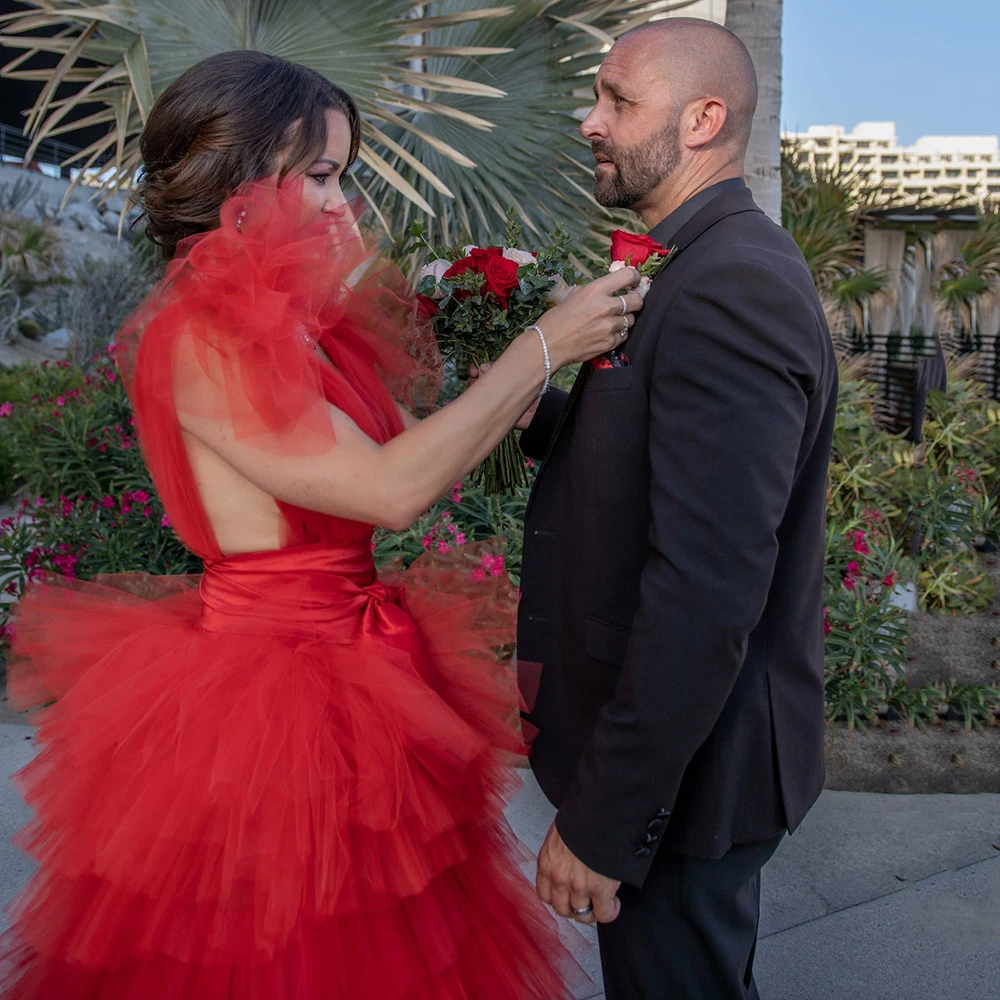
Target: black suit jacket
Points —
{"points": [[673, 560]]}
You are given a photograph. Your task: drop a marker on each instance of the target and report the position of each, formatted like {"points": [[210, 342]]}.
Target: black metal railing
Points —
{"points": [[14, 145]]}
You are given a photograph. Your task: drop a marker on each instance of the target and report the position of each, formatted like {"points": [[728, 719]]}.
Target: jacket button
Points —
{"points": [[662, 813], [643, 852], [655, 826], [651, 838]]}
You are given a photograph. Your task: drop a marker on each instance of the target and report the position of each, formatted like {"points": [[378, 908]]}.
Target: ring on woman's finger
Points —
{"points": [[624, 330], [624, 304], [584, 911]]}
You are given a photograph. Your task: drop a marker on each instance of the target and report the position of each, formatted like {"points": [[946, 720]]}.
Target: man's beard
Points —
{"points": [[638, 170]]}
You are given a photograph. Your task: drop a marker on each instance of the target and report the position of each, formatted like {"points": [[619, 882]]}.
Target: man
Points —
{"points": [[673, 557]]}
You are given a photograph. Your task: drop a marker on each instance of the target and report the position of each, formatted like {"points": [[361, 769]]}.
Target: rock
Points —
{"points": [[110, 221], [85, 217], [59, 340]]}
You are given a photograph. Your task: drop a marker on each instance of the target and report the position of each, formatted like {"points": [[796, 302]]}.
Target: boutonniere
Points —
{"points": [[641, 252]]}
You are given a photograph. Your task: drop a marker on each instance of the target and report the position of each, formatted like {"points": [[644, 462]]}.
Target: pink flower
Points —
{"points": [[853, 569], [146, 512], [110, 375], [6, 409], [108, 503], [460, 538], [849, 583], [528, 463], [103, 448], [166, 523], [478, 574], [860, 545], [890, 580], [126, 444], [444, 547], [494, 565], [126, 507], [40, 501], [452, 529], [60, 401]]}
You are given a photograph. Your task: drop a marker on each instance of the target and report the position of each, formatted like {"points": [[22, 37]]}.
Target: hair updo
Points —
{"points": [[224, 122]]}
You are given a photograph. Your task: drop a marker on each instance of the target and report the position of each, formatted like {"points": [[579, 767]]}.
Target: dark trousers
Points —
{"points": [[691, 932]]}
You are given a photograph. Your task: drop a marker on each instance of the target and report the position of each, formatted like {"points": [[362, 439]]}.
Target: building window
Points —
{"points": [[911, 174], [865, 158], [946, 158], [931, 175], [864, 144], [993, 173], [946, 190], [823, 143], [995, 189], [953, 173], [890, 159], [890, 175], [822, 157], [973, 173]]}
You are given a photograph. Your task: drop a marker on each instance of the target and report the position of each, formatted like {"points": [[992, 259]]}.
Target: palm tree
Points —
{"points": [[467, 109], [758, 24]]}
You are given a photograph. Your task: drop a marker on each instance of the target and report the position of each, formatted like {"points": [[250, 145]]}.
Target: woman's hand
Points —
{"points": [[592, 319]]}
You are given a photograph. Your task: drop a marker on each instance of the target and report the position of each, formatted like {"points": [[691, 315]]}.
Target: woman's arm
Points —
{"points": [[393, 484]]}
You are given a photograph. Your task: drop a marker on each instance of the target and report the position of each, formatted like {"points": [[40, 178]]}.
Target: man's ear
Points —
{"points": [[709, 119]]}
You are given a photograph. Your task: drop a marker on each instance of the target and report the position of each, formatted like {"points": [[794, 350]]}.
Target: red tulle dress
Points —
{"points": [[282, 780]]}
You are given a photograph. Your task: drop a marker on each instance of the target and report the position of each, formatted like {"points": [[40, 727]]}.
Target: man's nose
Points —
{"points": [[592, 127]]}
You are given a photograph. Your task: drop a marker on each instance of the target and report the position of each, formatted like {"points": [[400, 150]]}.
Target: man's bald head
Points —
{"points": [[701, 59]]}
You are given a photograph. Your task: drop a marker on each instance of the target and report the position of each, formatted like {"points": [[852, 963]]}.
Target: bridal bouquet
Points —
{"points": [[479, 299]]}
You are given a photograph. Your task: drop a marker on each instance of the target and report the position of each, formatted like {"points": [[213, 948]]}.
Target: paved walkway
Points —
{"points": [[877, 897]]}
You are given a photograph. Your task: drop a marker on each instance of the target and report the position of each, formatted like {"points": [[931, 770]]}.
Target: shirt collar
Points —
{"points": [[665, 231]]}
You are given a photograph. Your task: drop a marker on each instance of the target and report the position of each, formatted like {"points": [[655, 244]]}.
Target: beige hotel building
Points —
{"points": [[935, 167]]}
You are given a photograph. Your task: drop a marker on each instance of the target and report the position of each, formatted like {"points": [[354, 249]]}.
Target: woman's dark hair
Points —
{"points": [[224, 122]]}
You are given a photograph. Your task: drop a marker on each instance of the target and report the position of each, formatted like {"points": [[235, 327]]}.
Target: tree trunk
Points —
{"points": [[757, 23]]}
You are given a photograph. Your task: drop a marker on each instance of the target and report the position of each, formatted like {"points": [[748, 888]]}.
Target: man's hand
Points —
{"points": [[567, 884], [525, 422]]}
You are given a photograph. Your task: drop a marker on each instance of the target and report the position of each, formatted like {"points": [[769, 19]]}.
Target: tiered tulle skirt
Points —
{"points": [[280, 785]]}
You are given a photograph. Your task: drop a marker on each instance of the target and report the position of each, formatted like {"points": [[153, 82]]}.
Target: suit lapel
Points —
{"points": [[730, 203]]}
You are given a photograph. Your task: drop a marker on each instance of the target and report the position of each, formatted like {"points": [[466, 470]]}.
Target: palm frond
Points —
{"points": [[467, 109]]}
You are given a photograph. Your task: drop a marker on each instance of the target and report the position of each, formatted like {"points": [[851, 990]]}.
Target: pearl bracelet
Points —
{"points": [[548, 359]]}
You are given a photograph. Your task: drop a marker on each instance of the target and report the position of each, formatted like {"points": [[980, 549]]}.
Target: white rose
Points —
{"points": [[434, 269], [616, 265], [520, 257], [466, 251]]}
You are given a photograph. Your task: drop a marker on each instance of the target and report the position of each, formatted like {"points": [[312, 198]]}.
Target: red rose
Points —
{"points": [[633, 249], [426, 306], [460, 267], [480, 256], [500, 277]]}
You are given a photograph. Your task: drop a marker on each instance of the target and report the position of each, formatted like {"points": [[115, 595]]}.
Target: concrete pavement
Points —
{"points": [[877, 897]]}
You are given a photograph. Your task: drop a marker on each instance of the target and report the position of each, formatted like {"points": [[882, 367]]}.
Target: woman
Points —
{"points": [[281, 780]]}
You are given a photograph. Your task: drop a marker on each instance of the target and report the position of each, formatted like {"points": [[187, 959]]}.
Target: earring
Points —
{"points": [[240, 220]]}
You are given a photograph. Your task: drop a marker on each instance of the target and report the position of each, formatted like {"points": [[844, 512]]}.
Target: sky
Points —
{"points": [[932, 66]]}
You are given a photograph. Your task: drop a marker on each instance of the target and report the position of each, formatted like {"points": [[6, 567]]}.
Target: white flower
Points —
{"points": [[435, 269], [616, 265], [466, 251], [645, 284], [520, 257]]}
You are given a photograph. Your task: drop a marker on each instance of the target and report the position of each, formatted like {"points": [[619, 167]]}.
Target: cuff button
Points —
{"points": [[643, 852]]}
